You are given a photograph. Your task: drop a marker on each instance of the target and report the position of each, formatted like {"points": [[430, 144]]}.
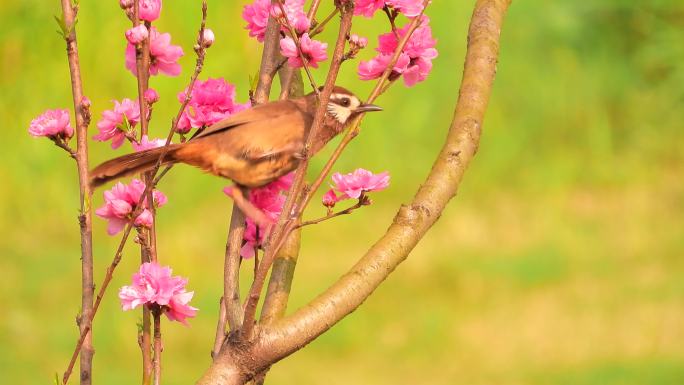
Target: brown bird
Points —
{"points": [[253, 147]]}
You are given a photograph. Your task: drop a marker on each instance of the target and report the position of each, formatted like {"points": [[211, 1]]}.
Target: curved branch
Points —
{"points": [[410, 224], [413, 220]]}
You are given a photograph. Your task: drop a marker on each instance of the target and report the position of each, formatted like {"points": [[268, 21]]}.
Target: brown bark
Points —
{"points": [[82, 115], [238, 363]]}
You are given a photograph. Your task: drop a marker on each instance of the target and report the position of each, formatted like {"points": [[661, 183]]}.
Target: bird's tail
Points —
{"points": [[131, 164]]}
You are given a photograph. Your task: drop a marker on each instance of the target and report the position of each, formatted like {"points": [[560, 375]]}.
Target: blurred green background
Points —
{"points": [[560, 262]]}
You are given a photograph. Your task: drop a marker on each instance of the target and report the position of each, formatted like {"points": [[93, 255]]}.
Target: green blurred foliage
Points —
{"points": [[560, 261]]}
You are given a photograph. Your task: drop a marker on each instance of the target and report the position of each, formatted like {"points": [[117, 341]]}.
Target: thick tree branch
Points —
{"points": [[82, 115], [278, 291], [409, 226]]}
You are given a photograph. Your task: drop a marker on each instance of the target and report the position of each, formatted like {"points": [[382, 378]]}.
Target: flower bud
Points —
{"points": [[208, 38], [330, 199], [151, 96], [125, 4], [137, 34], [85, 102], [358, 41]]}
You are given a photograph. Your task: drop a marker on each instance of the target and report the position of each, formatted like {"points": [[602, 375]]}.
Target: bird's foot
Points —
{"points": [[250, 211]]}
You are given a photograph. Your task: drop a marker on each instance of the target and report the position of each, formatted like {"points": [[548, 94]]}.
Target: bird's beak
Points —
{"points": [[368, 108]]}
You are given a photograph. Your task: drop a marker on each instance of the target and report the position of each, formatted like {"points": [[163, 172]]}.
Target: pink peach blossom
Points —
{"points": [[415, 62], [360, 181], [153, 285], [136, 35], [330, 199], [367, 8], [296, 17], [116, 122], [313, 50], [121, 202], [149, 10], [211, 101], [52, 123], [164, 56], [151, 96], [410, 8], [146, 144], [256, 15]]}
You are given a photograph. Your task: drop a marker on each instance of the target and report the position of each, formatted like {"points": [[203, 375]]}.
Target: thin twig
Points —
{"points": [[313, 10], [85, 330], [320, 27], [157, 346], [220, 329], [82, 115], [349, 210], [61, 143]]}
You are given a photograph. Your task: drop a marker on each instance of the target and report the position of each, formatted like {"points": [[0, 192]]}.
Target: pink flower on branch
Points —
{"points": [[149, 10], [211, 101], [415, 62], [118, 122], [256, 15], [410, 8], [367, 8], [121, 203], [360, 181], [154, 286], [296, 17], [52, 123], [136, 35], [330, 199], [164, 56], [314, 51], [151, 96]]}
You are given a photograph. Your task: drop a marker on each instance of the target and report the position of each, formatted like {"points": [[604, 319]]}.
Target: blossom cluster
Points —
{"points": [[210, 101], [154, 287], [354, 185], [256, 15], [415, 60], [414, 63], [121, 203], [367, 8], [270, 200]]}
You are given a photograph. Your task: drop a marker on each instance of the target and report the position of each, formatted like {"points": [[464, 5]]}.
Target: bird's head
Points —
{"points": [[343, 105]]}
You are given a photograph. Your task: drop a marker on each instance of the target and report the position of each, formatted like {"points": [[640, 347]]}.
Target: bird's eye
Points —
{"points": [[345, 102]]}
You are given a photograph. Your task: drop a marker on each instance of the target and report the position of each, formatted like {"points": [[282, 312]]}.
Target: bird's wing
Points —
{"points": [[255, 114], [278, 130]]}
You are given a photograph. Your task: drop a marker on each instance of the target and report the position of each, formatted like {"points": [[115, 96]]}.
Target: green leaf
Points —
{"points": [[253, 81], [62, 26], [57, 381]]}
